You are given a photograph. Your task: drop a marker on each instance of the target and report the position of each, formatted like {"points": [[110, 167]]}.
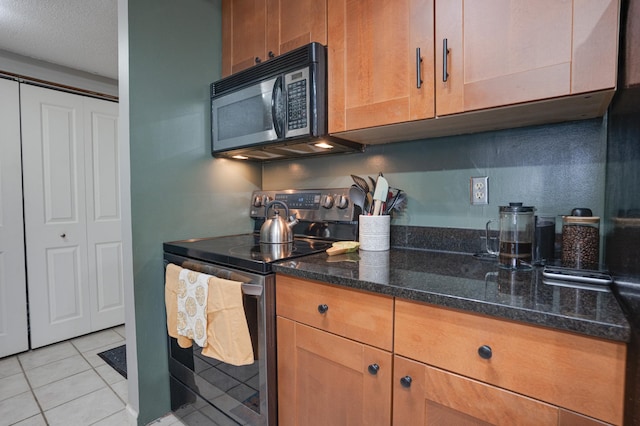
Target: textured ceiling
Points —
{"points": [[80, 34]]}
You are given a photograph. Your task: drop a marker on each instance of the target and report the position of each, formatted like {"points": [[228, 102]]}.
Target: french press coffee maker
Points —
{"points": [[515, 236]]}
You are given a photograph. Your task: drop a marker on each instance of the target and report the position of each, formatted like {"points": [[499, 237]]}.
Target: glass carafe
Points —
{"points": [[515, 236]]}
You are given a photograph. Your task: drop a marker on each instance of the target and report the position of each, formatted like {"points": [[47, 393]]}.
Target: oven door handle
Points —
{"points": [[252, 289]]}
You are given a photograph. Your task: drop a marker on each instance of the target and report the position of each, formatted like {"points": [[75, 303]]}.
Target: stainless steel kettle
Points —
{"points": [[276, 230]]}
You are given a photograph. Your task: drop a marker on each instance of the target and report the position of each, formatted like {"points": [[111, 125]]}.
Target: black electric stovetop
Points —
{"points": [[244, 251]]}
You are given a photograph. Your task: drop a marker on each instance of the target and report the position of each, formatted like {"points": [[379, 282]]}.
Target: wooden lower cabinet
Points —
{"points": [[325, 379], [348, 357], [579, 373], [424, 395]]}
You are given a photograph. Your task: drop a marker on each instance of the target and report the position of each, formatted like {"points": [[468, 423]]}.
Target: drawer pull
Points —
{"points": [[485, 351], [373, 369], [406, 381], [323, 308]]}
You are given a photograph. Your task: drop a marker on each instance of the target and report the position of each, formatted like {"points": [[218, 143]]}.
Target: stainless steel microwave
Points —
{"points": [[275, 110]]}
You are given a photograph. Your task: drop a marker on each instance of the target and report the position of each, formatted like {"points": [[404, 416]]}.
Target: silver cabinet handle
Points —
{"points": [[445, 56], [418, 68]]}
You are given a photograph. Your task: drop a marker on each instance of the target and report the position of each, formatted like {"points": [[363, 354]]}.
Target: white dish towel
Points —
{"points": [[193, 289]]}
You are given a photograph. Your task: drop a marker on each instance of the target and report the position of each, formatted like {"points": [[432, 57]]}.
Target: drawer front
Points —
{"points": [[580, 373], [361, 316]]}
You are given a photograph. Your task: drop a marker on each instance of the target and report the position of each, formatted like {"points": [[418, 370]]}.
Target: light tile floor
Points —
{"points": [[67, 384]]}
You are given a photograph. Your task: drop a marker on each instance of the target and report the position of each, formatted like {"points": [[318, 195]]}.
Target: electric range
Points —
{"points": [[227, 394]]}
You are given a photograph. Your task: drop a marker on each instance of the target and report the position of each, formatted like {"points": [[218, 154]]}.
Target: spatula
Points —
{"points": [[380, 195]]}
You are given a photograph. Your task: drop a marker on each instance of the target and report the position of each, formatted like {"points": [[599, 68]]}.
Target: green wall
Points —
{"points": [[553, 167], [178, 190]]}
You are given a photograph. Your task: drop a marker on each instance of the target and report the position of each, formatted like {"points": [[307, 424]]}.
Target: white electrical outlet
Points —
{"points": [[479, 190]]}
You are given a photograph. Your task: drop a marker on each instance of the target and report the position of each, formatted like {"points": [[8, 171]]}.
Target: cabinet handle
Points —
{"points": [[406, 381], [63, 235], [373, 369], [445, 56], [418, 68], [485, 352], [258, 60], [271, 54], [323, 308]]}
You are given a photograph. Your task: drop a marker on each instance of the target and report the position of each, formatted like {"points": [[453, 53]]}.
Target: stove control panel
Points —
{"points": [[310, 205]]}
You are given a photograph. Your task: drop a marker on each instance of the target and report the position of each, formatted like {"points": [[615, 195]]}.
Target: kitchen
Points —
{"points": [[178, 191], [557, 167]]}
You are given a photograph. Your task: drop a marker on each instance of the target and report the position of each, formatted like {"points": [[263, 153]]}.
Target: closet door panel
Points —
{"points": [[13, 284], [104, 227], [55, 216]]}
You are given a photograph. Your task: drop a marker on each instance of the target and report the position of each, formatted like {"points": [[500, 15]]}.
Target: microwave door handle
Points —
{"points": [[277, 109]]}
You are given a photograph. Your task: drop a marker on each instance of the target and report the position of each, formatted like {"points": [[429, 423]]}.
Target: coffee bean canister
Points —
{"points": [[581, 240]]}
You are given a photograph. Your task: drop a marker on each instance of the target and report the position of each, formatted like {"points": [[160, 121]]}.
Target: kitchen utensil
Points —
{"points": [[515, 236], [369, 204], [357, 197], [361, 183], [380, 195], [394, 201], [276, 230], [373, 184]]}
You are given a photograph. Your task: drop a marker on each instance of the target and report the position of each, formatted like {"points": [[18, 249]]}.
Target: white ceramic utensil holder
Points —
{"points": [[374, 232]]}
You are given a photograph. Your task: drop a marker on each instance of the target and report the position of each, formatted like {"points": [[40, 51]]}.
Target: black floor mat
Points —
{"points": [[116, 358]]}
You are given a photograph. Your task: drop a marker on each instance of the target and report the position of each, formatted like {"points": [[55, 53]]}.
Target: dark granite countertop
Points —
{"points": [[462, 281]]}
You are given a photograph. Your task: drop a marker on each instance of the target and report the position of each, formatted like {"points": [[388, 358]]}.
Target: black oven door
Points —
{"points": [[223, 393]]}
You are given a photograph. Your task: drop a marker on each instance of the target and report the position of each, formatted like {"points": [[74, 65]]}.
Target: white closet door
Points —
{"points": [[13, 284], [106, 275], [55, 215]]}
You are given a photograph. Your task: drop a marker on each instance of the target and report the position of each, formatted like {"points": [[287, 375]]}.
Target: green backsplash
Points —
{"points": [[553, 167]]}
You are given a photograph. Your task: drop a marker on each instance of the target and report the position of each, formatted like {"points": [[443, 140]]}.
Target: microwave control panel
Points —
{"points": [[298, 101]]}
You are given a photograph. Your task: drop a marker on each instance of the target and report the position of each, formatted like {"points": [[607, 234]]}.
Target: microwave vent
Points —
{"points": [[287, 62]]}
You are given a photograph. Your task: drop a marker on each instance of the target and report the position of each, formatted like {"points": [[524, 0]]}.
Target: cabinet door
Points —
{"points": [[13, 284], [503, 52], [374, 70], [53, 148], [244, 29], [423, 395], [295, 23], [324, 379], [104, 226]]}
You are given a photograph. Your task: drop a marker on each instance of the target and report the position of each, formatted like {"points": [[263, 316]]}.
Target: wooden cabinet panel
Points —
{"points": [[499, 52], [295, 23], [373, 67], [243, 34], [257, 30], [361, 316], [582, 374], [505, 52], [595, 45], [437, 397], [323, 379]]}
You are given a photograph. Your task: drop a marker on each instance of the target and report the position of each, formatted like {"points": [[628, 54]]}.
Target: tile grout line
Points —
{"points": [[92, 367]]}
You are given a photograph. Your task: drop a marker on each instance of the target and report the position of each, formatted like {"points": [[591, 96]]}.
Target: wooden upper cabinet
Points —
{"points": [[504, 52], [244, 25], [257, 30], [295, 23], [373, 67]]}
